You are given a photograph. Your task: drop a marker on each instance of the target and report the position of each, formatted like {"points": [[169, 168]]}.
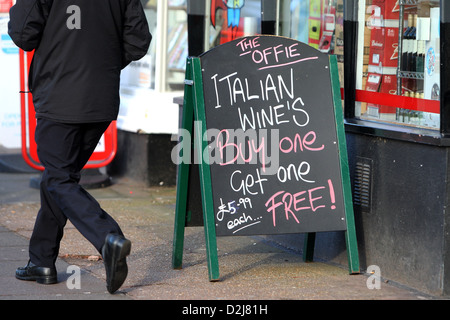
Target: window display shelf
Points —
{"points": [[410, 75]]}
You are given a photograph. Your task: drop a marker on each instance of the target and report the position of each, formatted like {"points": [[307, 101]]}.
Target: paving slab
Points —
{"points": [[251, 268]]}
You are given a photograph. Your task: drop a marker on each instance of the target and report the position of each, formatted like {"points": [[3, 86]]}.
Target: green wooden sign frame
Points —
{"points": [[194, 115]]}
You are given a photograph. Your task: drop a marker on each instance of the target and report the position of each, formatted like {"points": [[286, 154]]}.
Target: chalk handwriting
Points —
{"points": [[239, 90], [311, 200], [270, 57], [267, 108]]}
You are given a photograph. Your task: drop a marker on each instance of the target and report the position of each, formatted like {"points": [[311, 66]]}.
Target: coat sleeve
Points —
{"points": [[136, 34], [26, 24]]}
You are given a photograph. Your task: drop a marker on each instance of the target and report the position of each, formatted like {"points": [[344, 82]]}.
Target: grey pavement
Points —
{"points": [[251, 268]]}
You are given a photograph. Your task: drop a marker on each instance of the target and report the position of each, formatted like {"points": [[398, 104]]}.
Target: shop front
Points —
{"points": [[393, 77], [397, 124], [148, 121], [397, 127], [148, 117], [394, 90]]}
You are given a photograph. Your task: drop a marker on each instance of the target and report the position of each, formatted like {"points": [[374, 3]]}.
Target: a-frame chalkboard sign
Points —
{"points": [[262, 146]]}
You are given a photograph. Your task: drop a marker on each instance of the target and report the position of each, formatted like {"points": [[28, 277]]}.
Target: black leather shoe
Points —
{"points": [[114, 253], [42, 275]]}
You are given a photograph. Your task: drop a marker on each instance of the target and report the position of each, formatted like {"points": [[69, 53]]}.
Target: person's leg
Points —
{"points": [[47, 232], [64, 149]]}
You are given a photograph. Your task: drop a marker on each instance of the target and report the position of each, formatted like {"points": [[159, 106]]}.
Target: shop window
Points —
{"points": [[149, 85], [231, 19], [398, 63], [396, 74], [162, 69], [393, 76], [319, 23]]}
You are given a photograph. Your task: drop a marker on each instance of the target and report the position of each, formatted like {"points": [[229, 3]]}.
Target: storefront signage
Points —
{"points": [[269, 128]]}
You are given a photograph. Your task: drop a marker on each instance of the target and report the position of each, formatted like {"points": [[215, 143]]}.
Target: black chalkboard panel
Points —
{"points": [[273, 148]]}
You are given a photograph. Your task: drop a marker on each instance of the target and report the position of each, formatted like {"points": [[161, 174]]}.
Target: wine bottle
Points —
{"points": [[413, 39], [405, 44], [420, 63]]}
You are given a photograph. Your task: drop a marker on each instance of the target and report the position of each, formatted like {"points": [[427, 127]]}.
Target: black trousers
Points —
{"points": [[63, 150]]}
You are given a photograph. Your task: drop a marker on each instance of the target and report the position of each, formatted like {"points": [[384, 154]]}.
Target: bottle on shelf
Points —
{"points": [[412, 53], [405, 44], [407, 51]]}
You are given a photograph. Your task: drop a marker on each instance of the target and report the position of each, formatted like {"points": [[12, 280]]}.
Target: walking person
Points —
{"points": [[80, 48]]}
